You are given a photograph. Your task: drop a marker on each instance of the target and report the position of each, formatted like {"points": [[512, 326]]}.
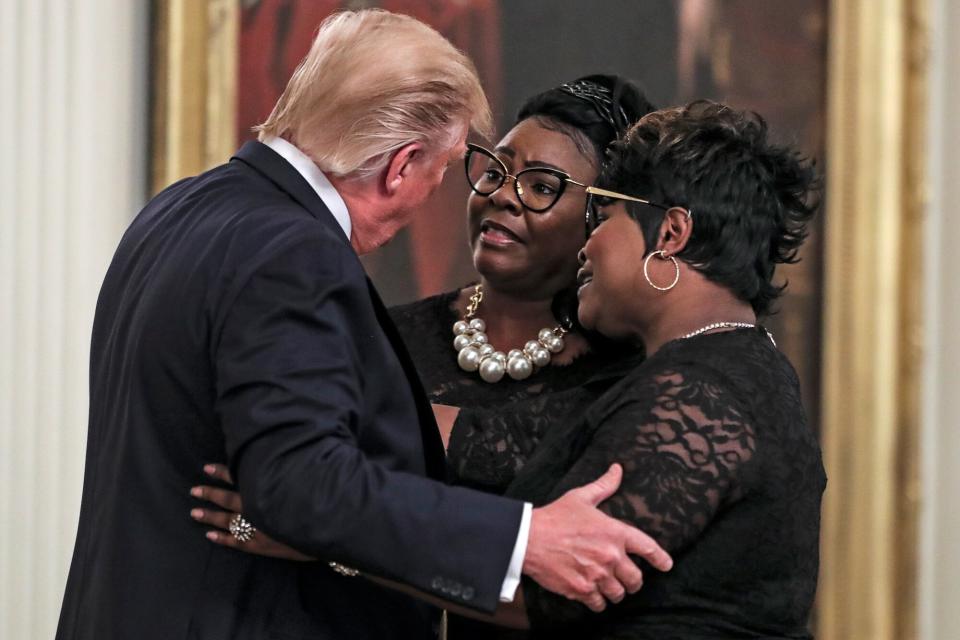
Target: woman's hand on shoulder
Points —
{"points": [[229, 501]]}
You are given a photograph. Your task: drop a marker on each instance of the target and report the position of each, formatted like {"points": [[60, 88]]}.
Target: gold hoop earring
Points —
{"points": [[676, 266]]}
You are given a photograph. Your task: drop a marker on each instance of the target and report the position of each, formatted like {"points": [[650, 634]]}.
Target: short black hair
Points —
{"points": [[751, 199], [560, 109]]}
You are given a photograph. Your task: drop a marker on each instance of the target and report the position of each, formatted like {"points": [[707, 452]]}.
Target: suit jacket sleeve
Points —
{"points": [[290, 391]]}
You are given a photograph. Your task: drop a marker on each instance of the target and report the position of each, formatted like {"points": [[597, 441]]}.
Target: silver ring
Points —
{"points": [[241, 529], [344, 570]]}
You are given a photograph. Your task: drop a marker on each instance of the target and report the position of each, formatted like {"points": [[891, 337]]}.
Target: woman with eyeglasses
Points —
{"points": [[508, 351], [513, 334], [720, 464]]}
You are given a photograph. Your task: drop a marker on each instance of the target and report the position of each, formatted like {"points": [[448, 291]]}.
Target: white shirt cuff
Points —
{"points": [[509, 589]]}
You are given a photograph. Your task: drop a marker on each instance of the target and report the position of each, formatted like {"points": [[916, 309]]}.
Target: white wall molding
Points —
{"points": [[73, 91]]}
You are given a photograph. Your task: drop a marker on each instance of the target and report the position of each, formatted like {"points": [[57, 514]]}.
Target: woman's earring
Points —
{"points": [[663, 256]]}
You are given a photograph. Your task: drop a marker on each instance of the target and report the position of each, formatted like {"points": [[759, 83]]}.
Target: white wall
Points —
{"points": [[73, 107], [940, 520]]}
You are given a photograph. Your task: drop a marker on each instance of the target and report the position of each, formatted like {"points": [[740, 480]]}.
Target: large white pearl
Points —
{"points": [[531, 346], [486, 350], [499, 355], [555, 344], [478, 325], [491, 370], [460, 327], [480, 338], [519, 368], [462, 341], [468, 359], [541, 357], [545, 334], [514, 353]]}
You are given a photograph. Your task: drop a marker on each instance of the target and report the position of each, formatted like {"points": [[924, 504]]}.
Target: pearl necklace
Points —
{"points": [[725, 325], [474, 351]]}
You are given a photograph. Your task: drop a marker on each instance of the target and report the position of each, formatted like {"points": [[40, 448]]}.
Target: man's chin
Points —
{"points": [[364, 243]]}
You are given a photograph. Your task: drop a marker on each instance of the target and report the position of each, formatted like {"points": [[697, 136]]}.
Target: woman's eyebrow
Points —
{"points": [[541, 163]]}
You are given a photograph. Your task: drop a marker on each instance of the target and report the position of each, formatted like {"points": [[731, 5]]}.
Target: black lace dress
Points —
{"points": [[720, 467]]}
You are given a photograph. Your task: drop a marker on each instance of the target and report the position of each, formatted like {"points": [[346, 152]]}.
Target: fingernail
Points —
{"points": [[196, 513], [196, 492], [212, 536], [209, 469]]}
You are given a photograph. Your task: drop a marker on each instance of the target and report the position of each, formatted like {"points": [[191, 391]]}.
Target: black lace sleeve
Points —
{"points": [[683, 441], [489, 446]]}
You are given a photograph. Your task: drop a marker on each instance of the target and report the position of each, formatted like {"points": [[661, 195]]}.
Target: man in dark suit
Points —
{"points": [[236, 322]]}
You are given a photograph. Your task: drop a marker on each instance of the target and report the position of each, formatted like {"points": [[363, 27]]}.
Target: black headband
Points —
{"points": [[601, 99]]}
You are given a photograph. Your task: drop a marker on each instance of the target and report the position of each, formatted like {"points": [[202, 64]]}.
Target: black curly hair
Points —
{"points": [[751, 199], [593, 110]]}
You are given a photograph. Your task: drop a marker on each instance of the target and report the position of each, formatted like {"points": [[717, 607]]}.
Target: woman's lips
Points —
{"points": [[497, 235], [584, 278]]}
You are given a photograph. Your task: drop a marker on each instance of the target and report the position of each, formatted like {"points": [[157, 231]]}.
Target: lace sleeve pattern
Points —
{"points": [[683, 440], [489, 447]]}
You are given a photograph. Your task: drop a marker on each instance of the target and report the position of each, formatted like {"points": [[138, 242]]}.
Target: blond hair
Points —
{"points": [[373, 82]]}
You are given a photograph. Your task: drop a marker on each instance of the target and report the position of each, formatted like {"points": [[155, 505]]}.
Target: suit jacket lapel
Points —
{"points": [[269, 163], [432, 444]]}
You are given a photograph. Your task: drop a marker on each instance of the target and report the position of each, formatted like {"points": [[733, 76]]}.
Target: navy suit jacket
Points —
{"points": [[236, 323]]}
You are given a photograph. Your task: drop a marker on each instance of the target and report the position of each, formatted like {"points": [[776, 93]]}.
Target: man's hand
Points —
{"points": [[579, 552]]}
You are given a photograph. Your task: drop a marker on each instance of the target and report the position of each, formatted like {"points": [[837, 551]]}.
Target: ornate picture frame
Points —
{"points": [[194, 54]]}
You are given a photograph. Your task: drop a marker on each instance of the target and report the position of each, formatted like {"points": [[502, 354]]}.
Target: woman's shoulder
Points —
{"points": [[735, 363], [724, 353]]}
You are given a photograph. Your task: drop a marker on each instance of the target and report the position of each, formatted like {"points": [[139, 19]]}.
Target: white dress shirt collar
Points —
{"points": [[315, 178]]}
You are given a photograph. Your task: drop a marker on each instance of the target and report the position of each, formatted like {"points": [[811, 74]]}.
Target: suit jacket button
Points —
{"points": [[467, 593]]}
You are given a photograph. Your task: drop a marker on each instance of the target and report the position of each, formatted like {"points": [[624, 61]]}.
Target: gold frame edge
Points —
{"points": [[872, 326]]}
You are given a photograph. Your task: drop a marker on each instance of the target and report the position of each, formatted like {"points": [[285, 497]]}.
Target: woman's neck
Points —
{"points": [[690, 311]]}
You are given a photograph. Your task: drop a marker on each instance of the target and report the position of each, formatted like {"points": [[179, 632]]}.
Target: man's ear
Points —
{"points": [[400, 165], [675, 231]]}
